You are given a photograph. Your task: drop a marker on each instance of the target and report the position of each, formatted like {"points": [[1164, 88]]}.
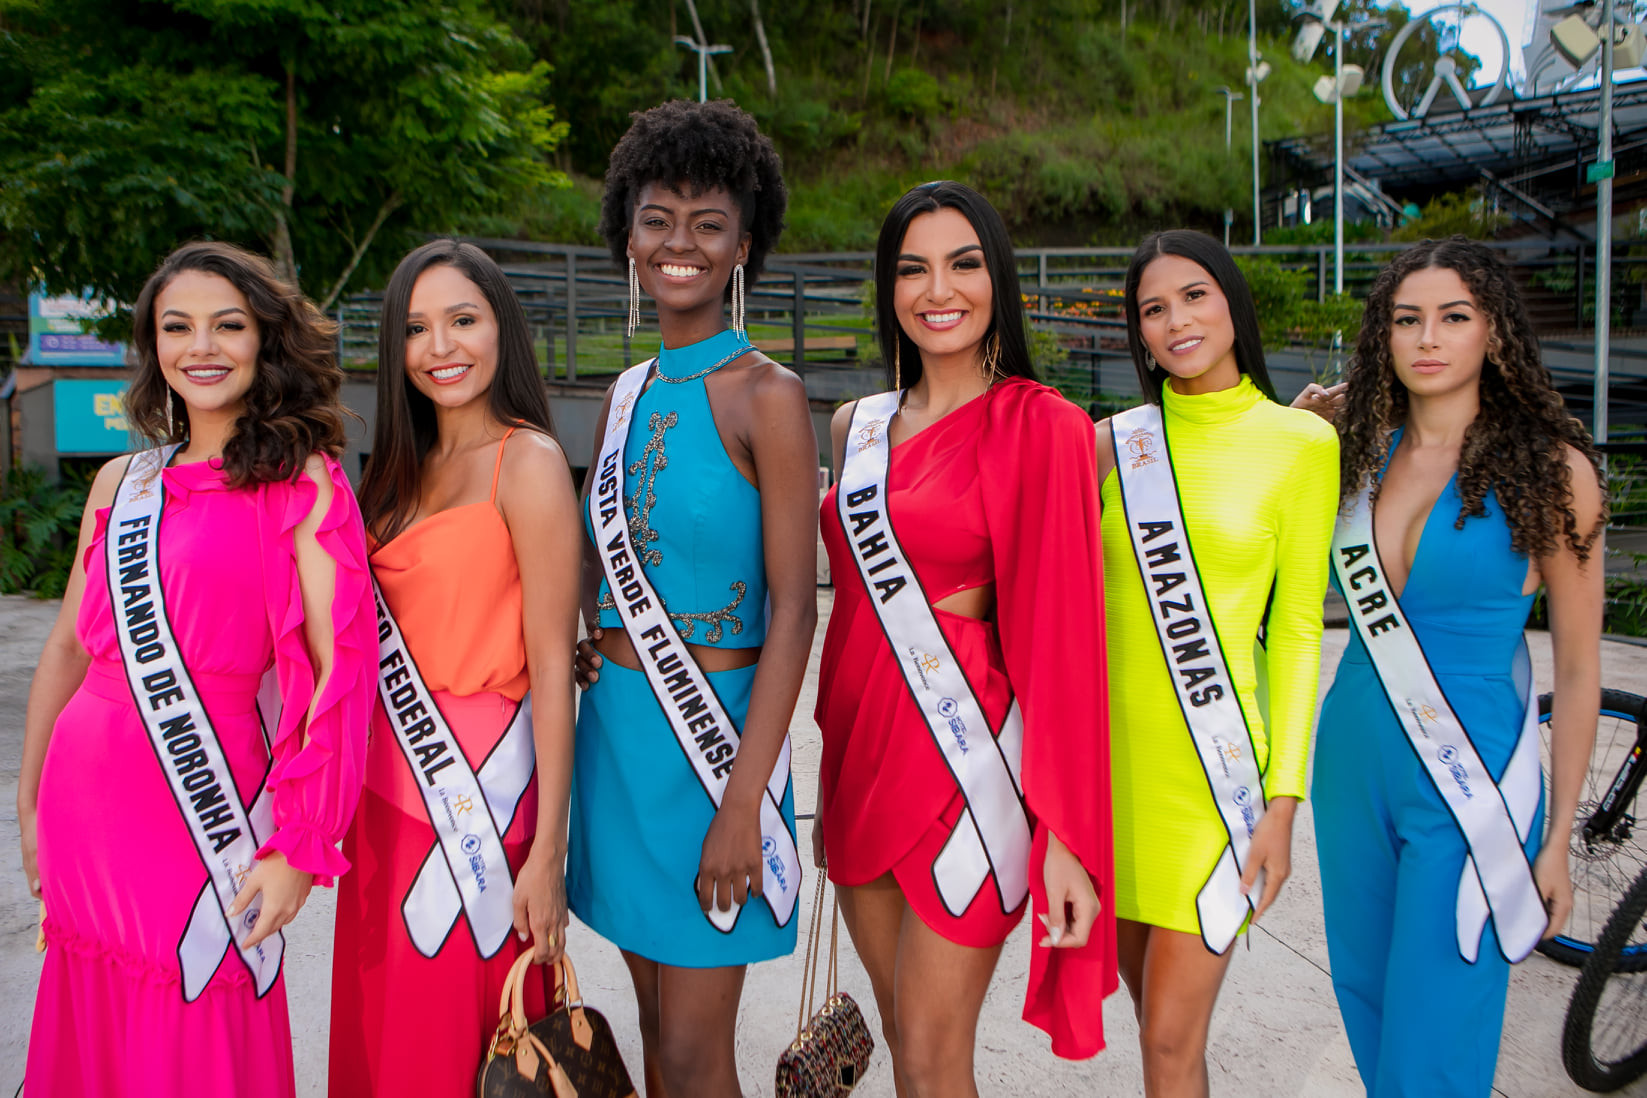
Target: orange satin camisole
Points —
{"points": [[452, 583]]}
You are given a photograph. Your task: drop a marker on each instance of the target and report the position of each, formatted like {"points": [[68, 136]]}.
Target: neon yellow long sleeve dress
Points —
{"points": [[1259, 489]]}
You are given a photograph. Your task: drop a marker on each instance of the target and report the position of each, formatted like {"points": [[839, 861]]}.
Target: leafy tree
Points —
{"points": [[332, 135]]}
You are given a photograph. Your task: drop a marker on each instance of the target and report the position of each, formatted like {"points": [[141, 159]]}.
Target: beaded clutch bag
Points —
{"points": [[831, 1047]]}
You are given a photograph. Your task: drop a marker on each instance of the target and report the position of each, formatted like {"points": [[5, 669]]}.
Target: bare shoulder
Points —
{"points": [[841, 421], [529, 450], [107, 482], [1586, 486], [771, 383]]}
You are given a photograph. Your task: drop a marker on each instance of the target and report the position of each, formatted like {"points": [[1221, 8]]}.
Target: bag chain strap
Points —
{"points": [[810, 979]]}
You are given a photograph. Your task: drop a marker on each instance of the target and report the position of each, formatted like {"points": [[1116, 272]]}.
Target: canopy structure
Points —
{"points": [[1531, 152]]}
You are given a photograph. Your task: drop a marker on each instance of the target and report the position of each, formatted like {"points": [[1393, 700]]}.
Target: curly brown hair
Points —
{"points": [[292, 407], [697, 146], [1515, 447]]}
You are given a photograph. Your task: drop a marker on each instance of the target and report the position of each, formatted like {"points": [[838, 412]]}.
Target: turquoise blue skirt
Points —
{"points": [[639, 818]]}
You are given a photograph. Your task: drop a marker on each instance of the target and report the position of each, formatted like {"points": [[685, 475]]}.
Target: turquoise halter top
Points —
{"points": [[694, 519]]}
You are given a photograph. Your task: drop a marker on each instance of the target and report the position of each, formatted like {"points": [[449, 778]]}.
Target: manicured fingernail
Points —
{"points": [[523, 936]]}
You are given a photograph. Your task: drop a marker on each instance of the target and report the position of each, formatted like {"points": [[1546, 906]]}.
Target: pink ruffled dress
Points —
{"points": [[119, 871]]}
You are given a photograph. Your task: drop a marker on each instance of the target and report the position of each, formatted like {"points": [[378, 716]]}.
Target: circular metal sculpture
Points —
{"points": [[1446, 69]]}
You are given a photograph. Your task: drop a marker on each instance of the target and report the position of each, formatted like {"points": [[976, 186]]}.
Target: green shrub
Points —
{"points": [[39, 530], [914, 93]]}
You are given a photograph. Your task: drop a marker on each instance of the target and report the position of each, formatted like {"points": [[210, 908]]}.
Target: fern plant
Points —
{"points": [[39, 529]]}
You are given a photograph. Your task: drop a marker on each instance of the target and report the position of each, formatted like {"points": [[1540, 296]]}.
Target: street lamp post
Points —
{"points": [[1230, 96], [704, 52], [1253, 78], [1603, 172]]}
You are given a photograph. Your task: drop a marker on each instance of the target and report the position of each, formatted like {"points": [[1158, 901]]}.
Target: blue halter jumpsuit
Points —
{"points": [[1422, 1022]]}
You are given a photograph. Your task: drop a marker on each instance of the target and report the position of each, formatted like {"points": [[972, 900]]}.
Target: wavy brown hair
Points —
{"points": [[1515, 447], [292, 407]]}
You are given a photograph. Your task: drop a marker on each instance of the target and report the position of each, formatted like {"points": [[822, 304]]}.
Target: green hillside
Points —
{"points": [[1083, 129]]}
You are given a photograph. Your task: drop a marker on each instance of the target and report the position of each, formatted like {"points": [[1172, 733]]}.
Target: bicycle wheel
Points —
{"points": [[1603, 865], [1604, 1040]]}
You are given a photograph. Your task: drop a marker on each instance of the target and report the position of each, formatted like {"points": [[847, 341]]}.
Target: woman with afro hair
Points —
{"points": [[1466, 486], [700, 597]]}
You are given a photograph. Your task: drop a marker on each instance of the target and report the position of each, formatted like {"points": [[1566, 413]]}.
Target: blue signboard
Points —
{"points": [[57, 337], [91, 416]]}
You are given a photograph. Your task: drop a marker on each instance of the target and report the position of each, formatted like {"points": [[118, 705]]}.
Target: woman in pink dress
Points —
{"points": [[194, 745]]}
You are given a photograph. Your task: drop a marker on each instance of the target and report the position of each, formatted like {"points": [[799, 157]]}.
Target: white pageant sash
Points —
{"points": [[466, 872], [993, 831], [1495, 818], [225, 834], [702, 727], [1195, 661]]}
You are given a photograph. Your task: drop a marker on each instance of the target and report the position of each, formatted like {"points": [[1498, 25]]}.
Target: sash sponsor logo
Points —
{"points": [[1243, 798], [951, 712], [1448, 755], [769, 852], [869, 435], [924, 662]]}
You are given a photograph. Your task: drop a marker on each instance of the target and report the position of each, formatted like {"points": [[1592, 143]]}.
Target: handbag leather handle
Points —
{"points": [[512, 1009]]}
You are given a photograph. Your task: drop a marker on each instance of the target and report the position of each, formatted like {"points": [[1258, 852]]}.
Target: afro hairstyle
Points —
{"points": [[695, 147]]}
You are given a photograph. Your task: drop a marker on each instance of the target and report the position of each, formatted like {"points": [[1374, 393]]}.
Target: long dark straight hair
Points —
{"points": [[1007, 319], [406, 418], [1215, 259]]}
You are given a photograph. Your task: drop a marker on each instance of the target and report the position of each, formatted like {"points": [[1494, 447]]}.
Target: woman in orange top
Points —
{"points": [[460, 840]]}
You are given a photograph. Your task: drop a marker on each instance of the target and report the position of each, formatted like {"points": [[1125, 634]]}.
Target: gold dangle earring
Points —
{"points": [[992, 359], [897, 366], [171, 431]]}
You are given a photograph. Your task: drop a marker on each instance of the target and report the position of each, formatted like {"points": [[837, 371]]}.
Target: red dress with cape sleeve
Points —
{"points": [[1002, 491]]}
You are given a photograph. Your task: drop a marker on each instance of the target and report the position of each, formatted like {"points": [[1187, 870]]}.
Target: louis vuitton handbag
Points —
{"points": [[831, 1047], [569, 1053]]}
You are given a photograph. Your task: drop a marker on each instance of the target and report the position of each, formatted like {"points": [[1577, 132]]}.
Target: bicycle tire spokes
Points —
{"points": [[1607, 852]]}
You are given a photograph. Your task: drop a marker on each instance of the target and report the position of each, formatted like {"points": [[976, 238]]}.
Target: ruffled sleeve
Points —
{"points": [[320, 742], [1040, 492]]}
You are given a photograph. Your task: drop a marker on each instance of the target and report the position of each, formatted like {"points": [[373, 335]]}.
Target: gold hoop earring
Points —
{"points": [[897, 366]]}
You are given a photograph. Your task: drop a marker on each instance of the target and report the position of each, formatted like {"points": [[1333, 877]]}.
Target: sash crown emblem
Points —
{"points": [[870, 434], [1142, 444]]}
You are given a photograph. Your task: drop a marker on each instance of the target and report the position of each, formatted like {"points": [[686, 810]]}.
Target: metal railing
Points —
{"points": [[813, 311]]}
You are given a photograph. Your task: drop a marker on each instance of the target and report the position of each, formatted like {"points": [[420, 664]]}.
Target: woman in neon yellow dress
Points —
{"points": [[1209, 730]]}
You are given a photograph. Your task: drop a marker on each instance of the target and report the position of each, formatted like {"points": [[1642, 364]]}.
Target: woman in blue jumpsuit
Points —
{"points": [[1484, 489]]}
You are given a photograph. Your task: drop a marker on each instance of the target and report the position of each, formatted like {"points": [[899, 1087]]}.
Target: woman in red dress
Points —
{"points": [[992, 498]]}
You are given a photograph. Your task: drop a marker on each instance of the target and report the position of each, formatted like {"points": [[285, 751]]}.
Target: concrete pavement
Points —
{"points": [[1276, 1031]]}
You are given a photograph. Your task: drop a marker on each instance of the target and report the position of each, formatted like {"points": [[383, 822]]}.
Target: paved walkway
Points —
{"points": [[1276, 1032]]}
